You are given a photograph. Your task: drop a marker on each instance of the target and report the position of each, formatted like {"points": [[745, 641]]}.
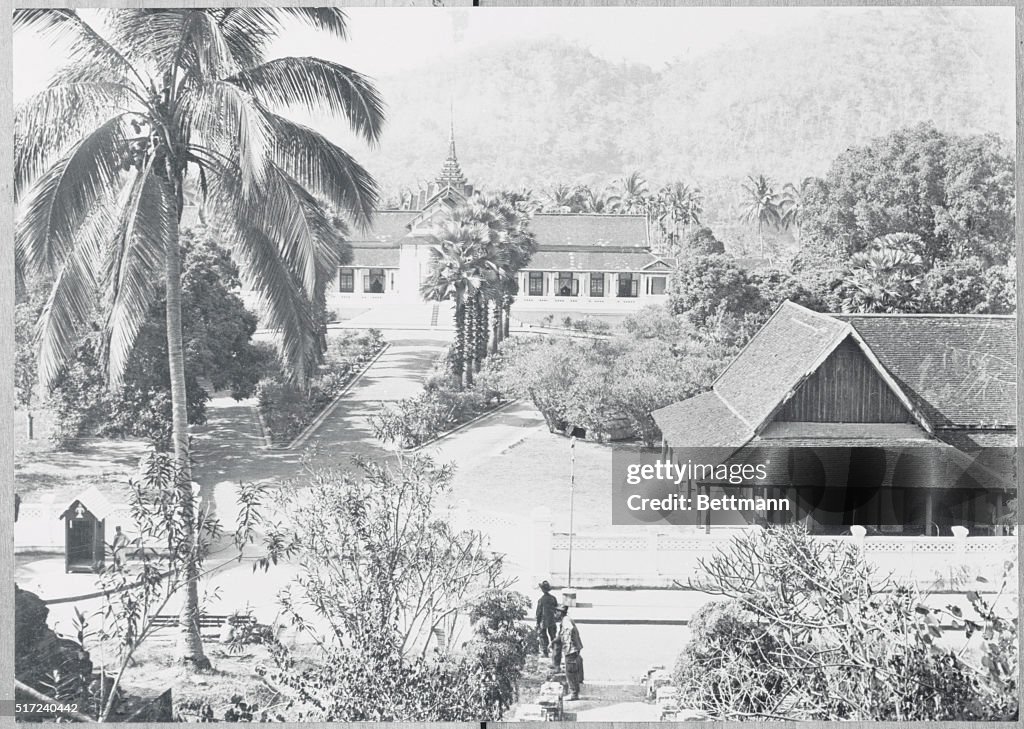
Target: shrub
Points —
{"points": [[592, 325], [417, 420], [287, 410], [837, 640]]}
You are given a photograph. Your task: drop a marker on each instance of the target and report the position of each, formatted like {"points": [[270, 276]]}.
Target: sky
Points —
{"points": [[387, 41]]}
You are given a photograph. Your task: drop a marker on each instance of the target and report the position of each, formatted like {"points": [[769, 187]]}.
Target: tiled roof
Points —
{"points": [[787, 348], [593, 260], [959, 373], [959, 370], [388, 226], [704, 421], [375, 257], [589, 230]]}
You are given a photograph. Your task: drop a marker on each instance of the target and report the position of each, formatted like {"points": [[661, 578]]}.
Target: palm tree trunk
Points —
{"points": [[459, 364], [190, 643], [469, 346], [496, 326], [481, 333], [507, 319], [760, 238]]}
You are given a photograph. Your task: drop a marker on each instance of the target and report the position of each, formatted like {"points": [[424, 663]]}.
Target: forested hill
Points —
{"points": [[784, 105]]}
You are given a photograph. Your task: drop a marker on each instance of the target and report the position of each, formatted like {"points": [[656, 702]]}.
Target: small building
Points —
{"points": [[85, 531], [900, 423], [585, 261]]}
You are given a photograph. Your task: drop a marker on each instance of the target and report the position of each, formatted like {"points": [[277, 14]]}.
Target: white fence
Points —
{"points": [[659, 557]]}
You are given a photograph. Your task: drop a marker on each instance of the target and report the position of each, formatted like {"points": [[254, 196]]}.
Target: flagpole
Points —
{"points": [[572, 493]]}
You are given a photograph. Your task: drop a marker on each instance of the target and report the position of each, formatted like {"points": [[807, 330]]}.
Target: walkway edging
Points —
{"points": [[460, 427], [302, 437]]}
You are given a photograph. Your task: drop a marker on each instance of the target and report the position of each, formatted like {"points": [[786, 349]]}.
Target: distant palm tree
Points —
{"points": [[762, 206], [457, 273], [162, 99], [677, 204], [604, 202], [632, 193], [561, 199], [791, 207]]}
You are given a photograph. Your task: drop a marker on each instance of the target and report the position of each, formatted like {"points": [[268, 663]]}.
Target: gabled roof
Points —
{"points": [[589, 230], [961, 370], [94, 502], [787, 348], [949, 371]]}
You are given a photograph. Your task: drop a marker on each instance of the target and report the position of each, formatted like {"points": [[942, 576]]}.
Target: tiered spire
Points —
{"points": [[451, 173]]}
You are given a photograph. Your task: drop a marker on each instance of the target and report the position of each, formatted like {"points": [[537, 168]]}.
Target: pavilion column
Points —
{"points": [[929, 512]]}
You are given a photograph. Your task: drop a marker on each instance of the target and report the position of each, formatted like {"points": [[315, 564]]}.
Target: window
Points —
{"points": [[373, 283], [567, 285], [657, 285], [346, 280], [597, 284], [536, 287], [629, 285]]}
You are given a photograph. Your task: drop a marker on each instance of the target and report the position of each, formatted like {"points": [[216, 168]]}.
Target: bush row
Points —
{"points": [[287, 408]]}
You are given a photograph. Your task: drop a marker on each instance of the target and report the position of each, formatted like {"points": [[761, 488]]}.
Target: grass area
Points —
{"points": [[41, 470]]}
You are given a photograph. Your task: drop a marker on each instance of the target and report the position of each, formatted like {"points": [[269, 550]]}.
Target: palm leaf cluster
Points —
{"points": [[168, 100], [476, 255]]}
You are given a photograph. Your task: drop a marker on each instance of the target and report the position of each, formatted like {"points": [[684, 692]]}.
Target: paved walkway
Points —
{"points": [[229, 448]]}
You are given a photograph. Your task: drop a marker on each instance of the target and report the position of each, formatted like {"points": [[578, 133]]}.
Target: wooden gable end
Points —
{"points": [[846, 388]]}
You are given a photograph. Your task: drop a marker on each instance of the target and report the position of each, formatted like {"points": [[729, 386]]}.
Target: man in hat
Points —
{"points": [[569, 645], [547, 622]]}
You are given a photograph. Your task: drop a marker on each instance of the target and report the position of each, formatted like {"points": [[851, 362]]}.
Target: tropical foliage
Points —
{"points": [[592, 383], [217, 336], [811, 631], [476, 255], [381, 578], [154, 100]]}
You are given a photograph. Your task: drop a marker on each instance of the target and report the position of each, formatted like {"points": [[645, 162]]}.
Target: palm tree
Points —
{"points": [[791, 206], [677, 204], [561, 199], [604, 202], [456, 274], [632, 193], [162, 99], [762, 206]]}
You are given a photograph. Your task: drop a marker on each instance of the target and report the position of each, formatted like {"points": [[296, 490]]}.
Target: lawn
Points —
{"points": [[40, 469]]}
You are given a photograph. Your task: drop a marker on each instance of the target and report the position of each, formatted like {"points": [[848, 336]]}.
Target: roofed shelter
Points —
{"points": [[904, 424]]}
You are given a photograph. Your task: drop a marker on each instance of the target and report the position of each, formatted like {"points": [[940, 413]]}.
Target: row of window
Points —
{"points": [[568, 285], [373, 281]]}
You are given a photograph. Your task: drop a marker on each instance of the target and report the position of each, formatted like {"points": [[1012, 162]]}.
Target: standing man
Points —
{"points": [[569, 645], [547, 620], [119, 547]]}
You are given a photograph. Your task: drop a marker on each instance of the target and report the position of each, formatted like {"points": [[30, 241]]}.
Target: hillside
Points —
{"points": [[785, 105]]}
